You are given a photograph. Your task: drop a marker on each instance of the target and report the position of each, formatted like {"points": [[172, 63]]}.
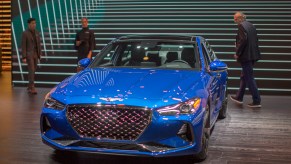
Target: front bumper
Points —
{"points": [[119, 149], [160, 139]]}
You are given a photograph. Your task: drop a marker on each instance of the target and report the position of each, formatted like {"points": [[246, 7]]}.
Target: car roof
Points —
{"points": [[159, 37]]}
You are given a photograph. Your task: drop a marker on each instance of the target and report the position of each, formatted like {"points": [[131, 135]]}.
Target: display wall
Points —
{"points": [[59, 20], [5, 35]]}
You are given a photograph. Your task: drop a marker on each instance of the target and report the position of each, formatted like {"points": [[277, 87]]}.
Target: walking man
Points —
{"points": [[31, 52], [247, 53]]}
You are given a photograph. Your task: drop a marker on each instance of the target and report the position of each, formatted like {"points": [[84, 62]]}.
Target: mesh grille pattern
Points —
{"points": [[108, 122]]}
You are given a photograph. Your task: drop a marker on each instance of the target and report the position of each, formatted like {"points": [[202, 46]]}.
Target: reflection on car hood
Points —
{"points": [[129, 83]]}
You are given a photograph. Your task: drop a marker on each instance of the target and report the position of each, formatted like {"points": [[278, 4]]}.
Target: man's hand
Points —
{"points": [[235, 56], [89, 55], [24, 60], [78, 43]]}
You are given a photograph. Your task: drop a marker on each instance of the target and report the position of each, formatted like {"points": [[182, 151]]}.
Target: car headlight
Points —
{"points": [[51, 103], [187, 107]]}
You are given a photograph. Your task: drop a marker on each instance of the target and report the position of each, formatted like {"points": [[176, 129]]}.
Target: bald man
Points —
{"points": [[246, 53]]}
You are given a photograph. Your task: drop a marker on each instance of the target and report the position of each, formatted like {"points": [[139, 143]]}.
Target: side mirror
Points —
{"points": [[84, 62], [218, 65]]}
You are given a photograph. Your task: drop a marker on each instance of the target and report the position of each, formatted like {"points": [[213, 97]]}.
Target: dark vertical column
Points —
{"points": [[0, 59]]}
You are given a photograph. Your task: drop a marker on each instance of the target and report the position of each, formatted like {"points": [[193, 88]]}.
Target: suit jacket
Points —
{"points": [[247, 48], [28, 45]]}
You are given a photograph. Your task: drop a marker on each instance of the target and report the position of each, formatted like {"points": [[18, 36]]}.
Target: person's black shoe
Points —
{"points": [[254, 105], [233, 98], [32, 91]]}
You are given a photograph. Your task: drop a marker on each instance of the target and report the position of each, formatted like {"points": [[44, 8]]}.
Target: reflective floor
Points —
{"points": [[245, 136]]}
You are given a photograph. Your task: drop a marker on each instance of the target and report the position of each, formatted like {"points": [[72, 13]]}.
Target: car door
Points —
{"points": [[214, 86], [221, 77]]}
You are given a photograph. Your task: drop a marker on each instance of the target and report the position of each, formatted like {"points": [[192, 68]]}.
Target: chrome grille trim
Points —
{"points": [[108, 121], [147, 147]]}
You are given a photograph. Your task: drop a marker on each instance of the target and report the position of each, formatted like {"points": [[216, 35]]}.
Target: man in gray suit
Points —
{"points": [[31, 52]]}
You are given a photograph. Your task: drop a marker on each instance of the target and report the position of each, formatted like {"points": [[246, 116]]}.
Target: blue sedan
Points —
{"points": [[142, 95]]}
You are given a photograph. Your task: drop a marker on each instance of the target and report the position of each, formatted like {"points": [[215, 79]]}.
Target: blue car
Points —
{"points": [[142, 95]]}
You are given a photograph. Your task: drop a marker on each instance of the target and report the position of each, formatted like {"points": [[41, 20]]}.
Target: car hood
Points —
{"points": [[122, 83]]}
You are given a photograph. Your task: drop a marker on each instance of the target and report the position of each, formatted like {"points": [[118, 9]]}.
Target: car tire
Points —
{"points": [[205, 137], [223, 110]]}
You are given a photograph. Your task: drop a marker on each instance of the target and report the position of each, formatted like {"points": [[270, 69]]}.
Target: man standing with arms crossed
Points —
{"points": [[247, 53], [31, 52]]}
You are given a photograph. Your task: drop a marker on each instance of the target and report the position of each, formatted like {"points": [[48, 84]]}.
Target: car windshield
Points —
{"points": [[148, 54]]}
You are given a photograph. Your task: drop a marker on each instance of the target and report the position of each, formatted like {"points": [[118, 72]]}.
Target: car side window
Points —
{"points": [[108, 58], [124, 55]]}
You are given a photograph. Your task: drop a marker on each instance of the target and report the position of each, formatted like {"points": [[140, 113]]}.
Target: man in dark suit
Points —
{"points": [[31, 52], [85, 41], [247, 53]]}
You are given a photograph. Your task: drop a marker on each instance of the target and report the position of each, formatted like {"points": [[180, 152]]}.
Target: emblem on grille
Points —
{"points": [[110, 99]]}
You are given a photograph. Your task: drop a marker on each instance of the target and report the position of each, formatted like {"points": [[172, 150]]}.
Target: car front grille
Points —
{"points": [[108, 121]]}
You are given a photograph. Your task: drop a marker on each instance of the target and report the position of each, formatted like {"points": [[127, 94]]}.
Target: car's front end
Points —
{"points": [[89, 118]]}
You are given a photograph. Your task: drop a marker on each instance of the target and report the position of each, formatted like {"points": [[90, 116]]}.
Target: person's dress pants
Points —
{"points": [[247, 80], [31, 66]]}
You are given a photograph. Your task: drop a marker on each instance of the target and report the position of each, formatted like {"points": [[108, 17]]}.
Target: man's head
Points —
{"points": [[239, 17], [84, 22], [31, 23]]}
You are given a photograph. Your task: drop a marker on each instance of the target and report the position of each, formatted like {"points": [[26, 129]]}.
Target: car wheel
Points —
{"points": [[223, 110], [205, 137]]}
